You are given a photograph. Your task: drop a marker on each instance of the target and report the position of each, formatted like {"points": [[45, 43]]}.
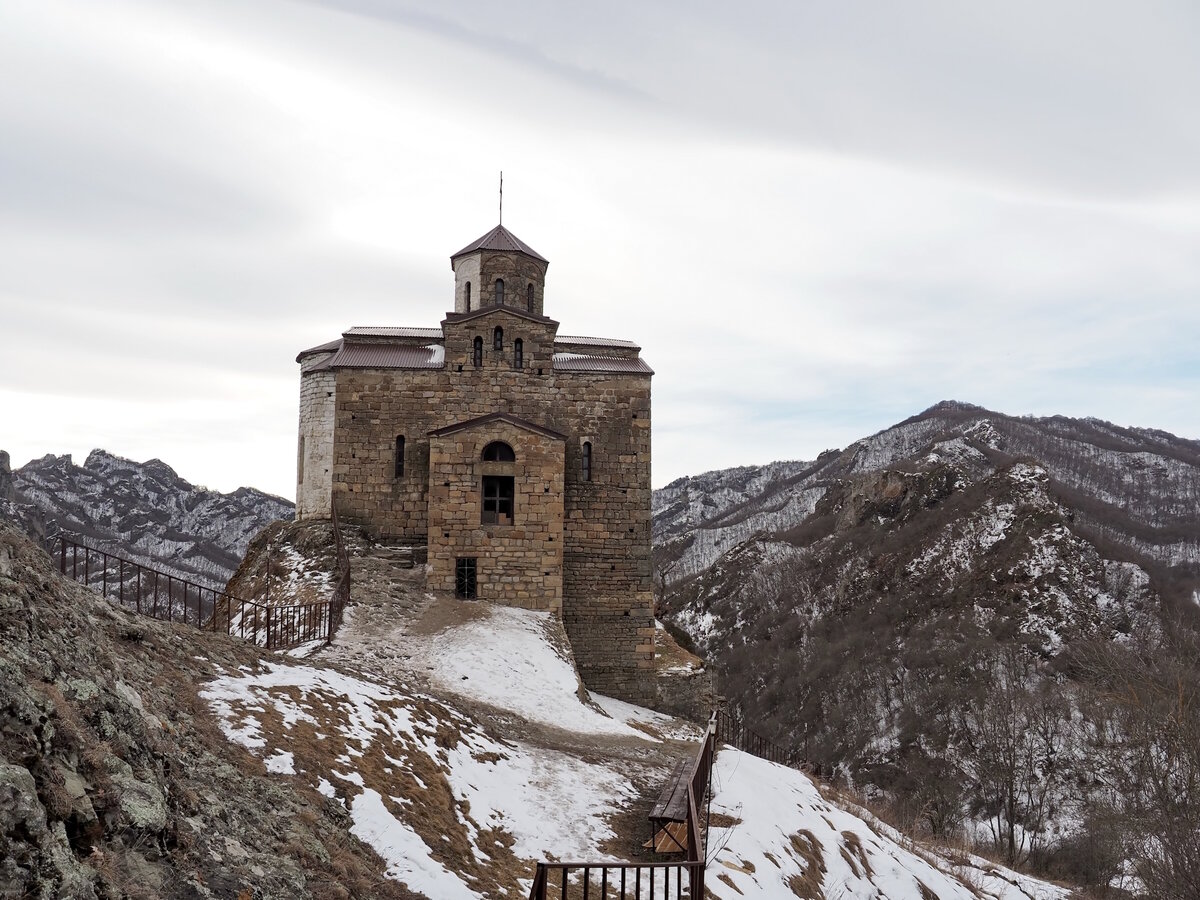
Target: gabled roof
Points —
{"points": [[321, 348], [500, 238], [578, 341], [393, 331], [383, 356], [498, 417], [579, 362], [454, 317]]}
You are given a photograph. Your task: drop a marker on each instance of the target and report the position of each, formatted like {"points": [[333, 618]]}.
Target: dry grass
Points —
{"points": [[810, 884], [723, 877], [399, 766], [855, 856]]}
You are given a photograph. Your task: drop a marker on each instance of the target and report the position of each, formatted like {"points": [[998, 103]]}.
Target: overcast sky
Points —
{"points": [[817, 218]]}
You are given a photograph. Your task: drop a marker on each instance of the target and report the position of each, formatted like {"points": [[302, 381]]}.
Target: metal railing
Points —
{"points": [[733, 731], [633, 880], [140, 588], [148, 591], [663, 880]]}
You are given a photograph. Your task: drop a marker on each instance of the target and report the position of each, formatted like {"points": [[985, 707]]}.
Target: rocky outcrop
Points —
{"points": [[7, 490], [114, 780]]}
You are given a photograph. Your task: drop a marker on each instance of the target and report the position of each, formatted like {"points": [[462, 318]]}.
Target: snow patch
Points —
{"points": [[509, 659], [787, 831]]}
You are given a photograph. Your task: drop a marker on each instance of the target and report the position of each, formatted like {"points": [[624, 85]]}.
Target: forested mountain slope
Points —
{"points": [[974, 617]]}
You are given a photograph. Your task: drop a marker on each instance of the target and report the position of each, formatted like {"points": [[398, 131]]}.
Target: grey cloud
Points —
{"points": [[70, 184], [488, 40], [1071, 97]]}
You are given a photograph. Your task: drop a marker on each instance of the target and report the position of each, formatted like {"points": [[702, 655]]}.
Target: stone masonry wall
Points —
{"points": [[518, 272], [606, 598], [314, 451], [519, 564], [537, 338], [466, 271]]}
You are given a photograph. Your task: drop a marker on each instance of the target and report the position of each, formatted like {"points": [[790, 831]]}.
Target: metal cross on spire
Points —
{"points": [[501, 196]]}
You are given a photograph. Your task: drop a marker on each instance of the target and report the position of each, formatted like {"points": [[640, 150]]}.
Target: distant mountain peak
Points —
{"points": [[142, 510]]}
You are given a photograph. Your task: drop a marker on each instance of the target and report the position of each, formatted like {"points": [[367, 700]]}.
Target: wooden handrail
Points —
{"points": [[624, 872]]}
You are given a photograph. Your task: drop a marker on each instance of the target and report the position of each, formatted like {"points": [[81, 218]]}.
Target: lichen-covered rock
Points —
{"points": [[20, 810], [37, 857], [115, 781]]}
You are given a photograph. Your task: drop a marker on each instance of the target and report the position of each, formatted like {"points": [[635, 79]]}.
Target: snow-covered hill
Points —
{"points": [[142, 510], [460, 741]]}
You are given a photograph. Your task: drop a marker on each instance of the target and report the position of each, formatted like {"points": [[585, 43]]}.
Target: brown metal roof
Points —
{"points": [[576, 340], [498, 417], [500, 238], [323, 348], [578, 362], [393, 331], [385, 356]]}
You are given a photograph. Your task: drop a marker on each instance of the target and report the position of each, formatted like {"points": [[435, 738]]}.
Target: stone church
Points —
{"points": [[519, 457]]}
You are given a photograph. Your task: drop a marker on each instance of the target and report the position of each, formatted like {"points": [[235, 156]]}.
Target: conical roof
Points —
{"points": [[500, 238]]}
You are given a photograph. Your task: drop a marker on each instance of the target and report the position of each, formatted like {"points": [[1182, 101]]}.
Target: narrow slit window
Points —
{"points": [[498, 492], [518, 354], [465, 582], [529, 298], [400, 456], [499, 291], [498, 338], [586, 461], [468, 296], [477, 356]]}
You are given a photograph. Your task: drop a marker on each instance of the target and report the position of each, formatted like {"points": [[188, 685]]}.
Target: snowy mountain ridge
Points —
{"points": [[142, 510], [1136, 487], [966, 585]]}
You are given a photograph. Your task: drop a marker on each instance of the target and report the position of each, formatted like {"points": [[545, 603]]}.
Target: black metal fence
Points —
{"points": [[733, 731], [164, 596]]}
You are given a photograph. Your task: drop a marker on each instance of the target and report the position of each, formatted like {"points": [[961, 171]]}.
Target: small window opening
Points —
{"points": [[498, 338], [477, 356], [498, 491], [300, 463], [498, 451], [529, 298], [465, 583], [468, 295], [499, 291], [518, 354], [400, 456], [586, 461]]}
